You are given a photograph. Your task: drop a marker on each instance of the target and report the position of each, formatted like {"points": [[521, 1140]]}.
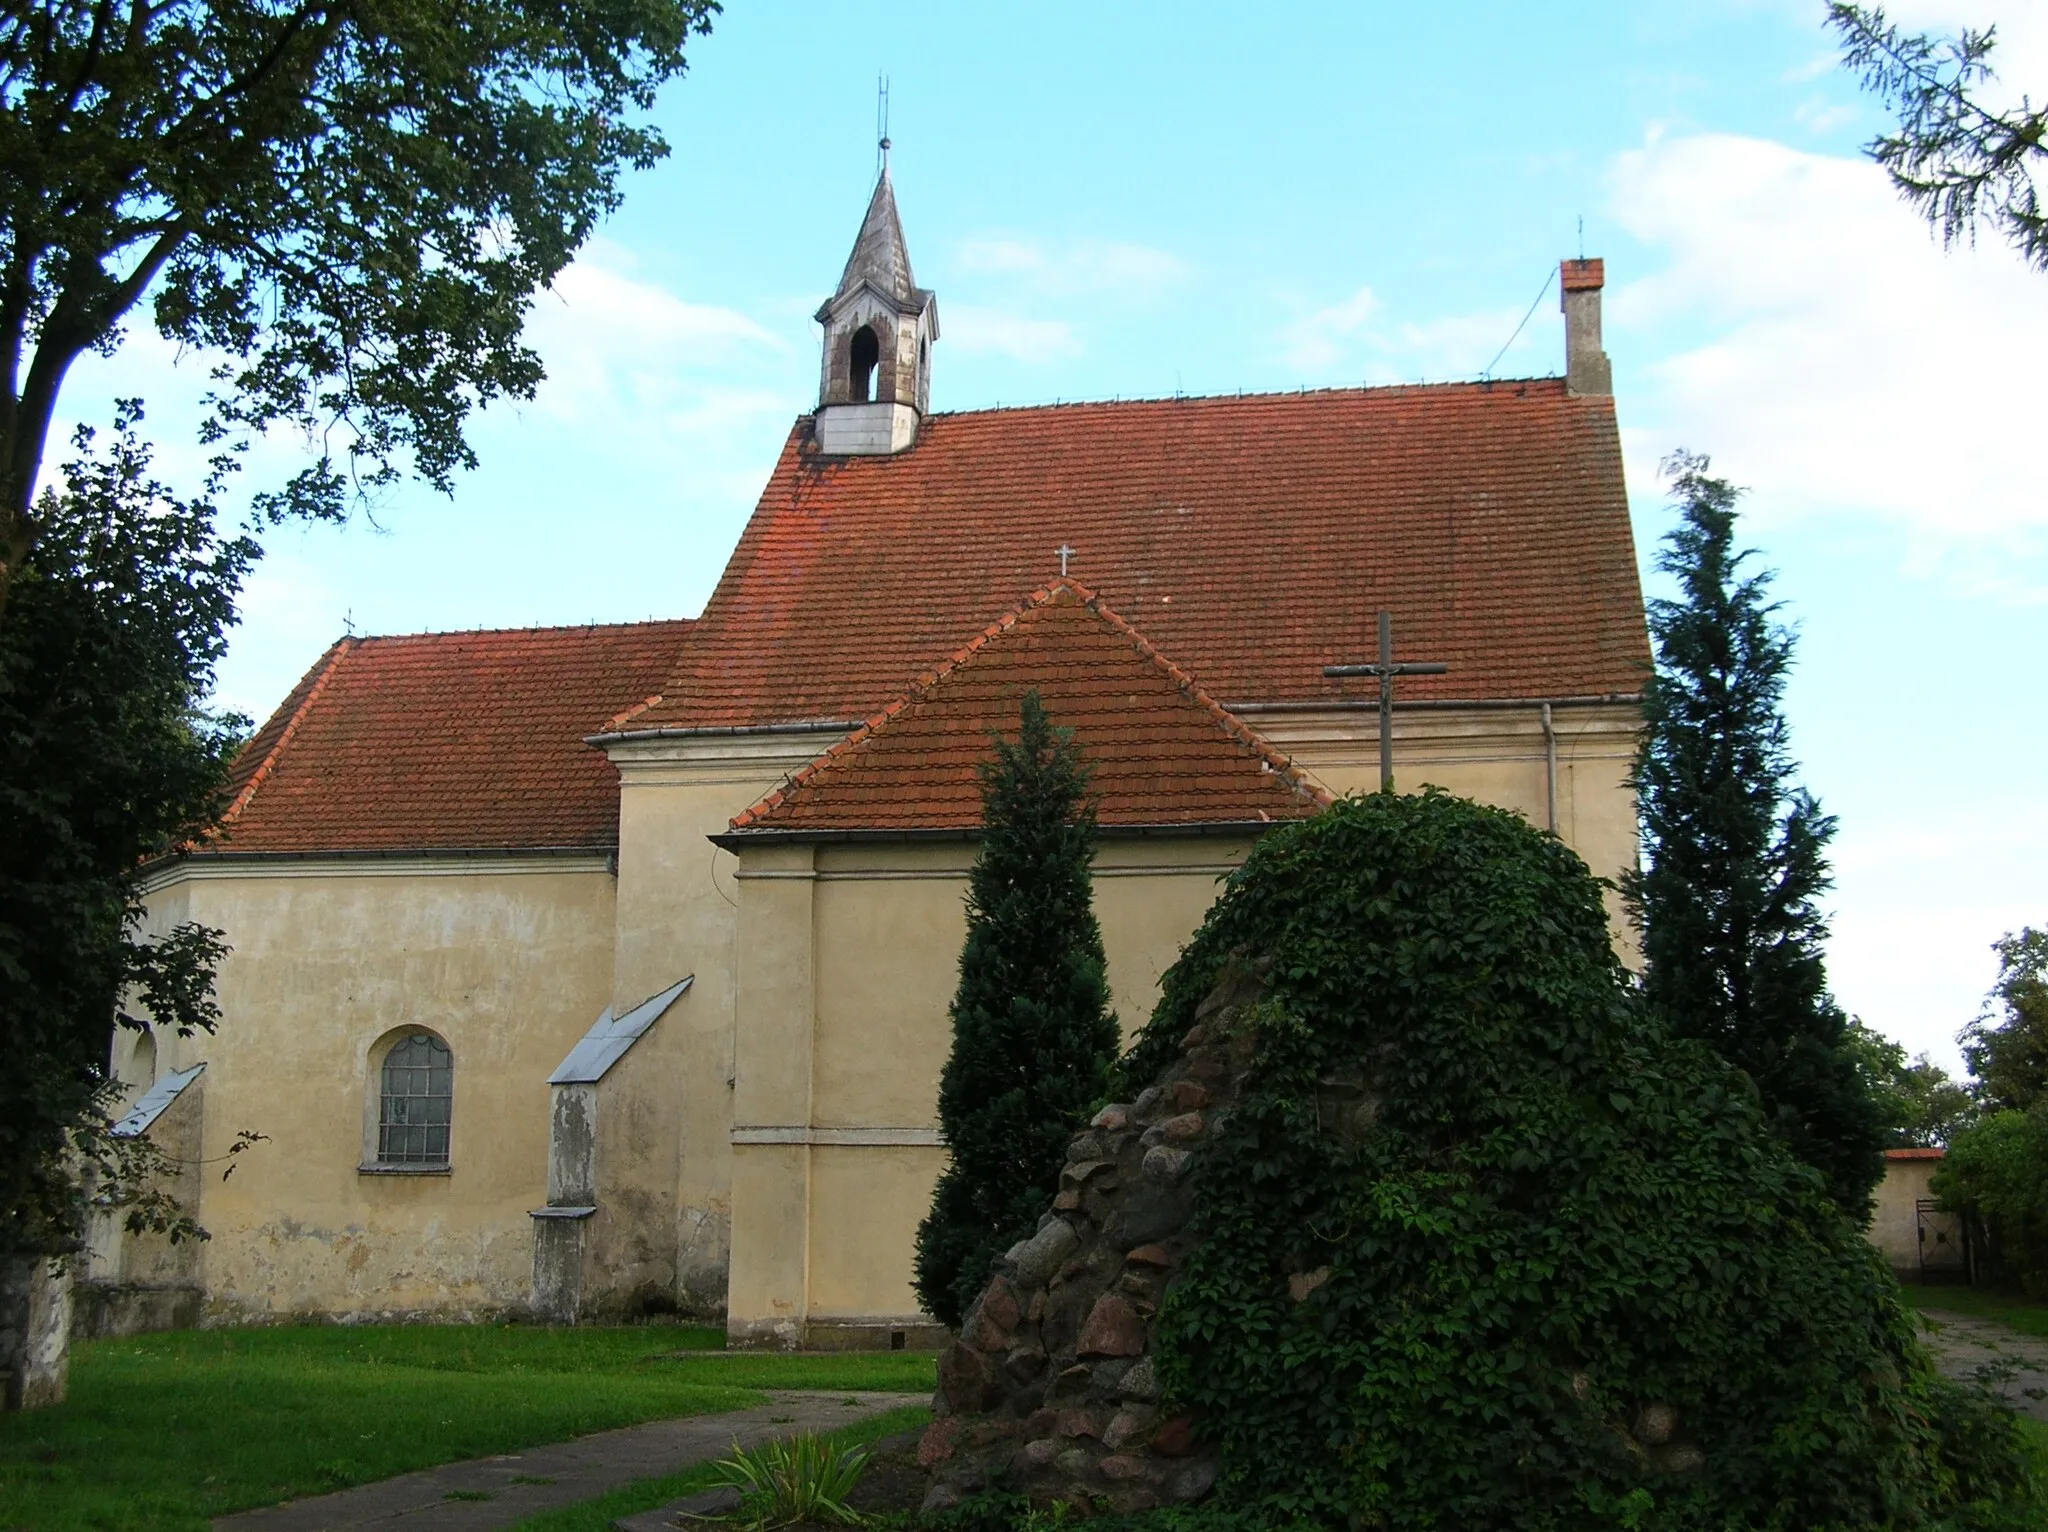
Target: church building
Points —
{"points": [[599, 971]]}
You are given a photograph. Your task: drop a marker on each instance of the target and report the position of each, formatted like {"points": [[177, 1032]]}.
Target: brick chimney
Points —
{"points": [[1586, 368]]}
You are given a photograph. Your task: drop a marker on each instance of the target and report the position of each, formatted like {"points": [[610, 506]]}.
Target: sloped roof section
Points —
{"points": [[611, 1037], [880, 258], [1162, 753], [446, 741], [1253, 539]]}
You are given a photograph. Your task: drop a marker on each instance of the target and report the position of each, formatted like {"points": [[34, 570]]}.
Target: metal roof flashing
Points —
{"points": [[610, 1036], [152, 1103]]}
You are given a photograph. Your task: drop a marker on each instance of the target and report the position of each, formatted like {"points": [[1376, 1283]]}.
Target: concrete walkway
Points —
{"points": [[2016, 1365], [523, 1484]]}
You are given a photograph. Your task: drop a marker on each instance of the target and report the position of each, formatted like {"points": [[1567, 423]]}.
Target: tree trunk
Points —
{"points": [[35, 1330]]}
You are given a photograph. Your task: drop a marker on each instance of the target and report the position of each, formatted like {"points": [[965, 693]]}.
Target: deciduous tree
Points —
{"points": [[2006, 1047], [1033, 1037], [349, 203], [1734, 855], [107, 758], [1920, 1105]]}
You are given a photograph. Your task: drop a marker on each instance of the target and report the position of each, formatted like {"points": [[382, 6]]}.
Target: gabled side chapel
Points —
{"points": [[590, 971]]}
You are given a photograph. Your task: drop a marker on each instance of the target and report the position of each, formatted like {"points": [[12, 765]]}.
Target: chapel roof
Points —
{"points": [[446, 741], [1251, 538], [1162, 753]]}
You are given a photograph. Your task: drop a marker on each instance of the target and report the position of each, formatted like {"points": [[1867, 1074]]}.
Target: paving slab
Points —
{"points": [[2015, 1365], [517, 1485]]}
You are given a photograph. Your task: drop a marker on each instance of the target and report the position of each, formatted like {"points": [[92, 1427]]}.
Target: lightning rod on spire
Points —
{"points": [[881, 124]]}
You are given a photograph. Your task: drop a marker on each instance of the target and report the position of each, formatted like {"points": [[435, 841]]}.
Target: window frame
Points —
{"points": [[377, 1061]]}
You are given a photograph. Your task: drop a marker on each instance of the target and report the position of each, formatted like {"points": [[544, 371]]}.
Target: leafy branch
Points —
{"points": [[1958, 161]]}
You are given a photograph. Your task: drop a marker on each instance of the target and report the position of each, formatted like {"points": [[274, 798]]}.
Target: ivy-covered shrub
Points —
{"points": [[1543, 1266]]}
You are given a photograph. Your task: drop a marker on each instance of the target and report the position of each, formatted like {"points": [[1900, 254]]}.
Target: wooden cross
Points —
{"points": [[1386, 670]]}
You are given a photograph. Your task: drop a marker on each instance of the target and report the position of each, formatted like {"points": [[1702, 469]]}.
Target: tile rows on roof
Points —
{"points": [[1160, 751], [1251, 538], [447, 741]]}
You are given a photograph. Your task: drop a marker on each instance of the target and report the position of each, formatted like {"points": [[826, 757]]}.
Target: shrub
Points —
{"points": [[1033, 1039], [1996, 1176], [1553, 1219]]}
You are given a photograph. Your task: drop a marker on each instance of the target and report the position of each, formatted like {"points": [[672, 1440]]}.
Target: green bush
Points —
{"points": [[1996, 1176], [1033, 1038], [1550, 1216]]}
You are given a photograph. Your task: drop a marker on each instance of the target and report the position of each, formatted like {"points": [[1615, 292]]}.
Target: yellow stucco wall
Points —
{"points": [[847, 955], [1895, 1222], [813, 1036], [508, 962]]}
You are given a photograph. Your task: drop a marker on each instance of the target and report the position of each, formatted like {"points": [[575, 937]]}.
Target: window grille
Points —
{"points": [[419, 1089]]}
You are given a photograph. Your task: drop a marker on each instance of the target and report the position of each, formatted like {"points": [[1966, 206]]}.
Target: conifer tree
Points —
{"points": [[1033, 1037], [1735, 852]]}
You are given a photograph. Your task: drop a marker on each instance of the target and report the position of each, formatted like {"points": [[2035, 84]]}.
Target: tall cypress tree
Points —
{"points": [[1033, 1038], [1735, 852]]}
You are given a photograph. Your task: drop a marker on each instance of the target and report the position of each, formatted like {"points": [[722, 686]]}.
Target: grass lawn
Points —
{"points": [[166, 1431], [647, 1494], [2021, 1314]]}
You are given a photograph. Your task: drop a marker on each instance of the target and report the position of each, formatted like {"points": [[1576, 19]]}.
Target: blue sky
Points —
{"points": [[1134, 199]]}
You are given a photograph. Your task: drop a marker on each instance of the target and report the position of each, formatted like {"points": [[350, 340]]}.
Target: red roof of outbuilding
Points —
{"points": [[447, 741], [1161, 752], [1251, 538]]}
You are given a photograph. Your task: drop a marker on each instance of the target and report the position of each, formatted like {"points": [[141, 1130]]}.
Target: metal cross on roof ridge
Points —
{"points": [[1386, 670], [1065, 553]]}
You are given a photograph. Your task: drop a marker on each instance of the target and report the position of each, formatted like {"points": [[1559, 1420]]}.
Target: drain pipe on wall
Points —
{"points": [[1550, 769]]}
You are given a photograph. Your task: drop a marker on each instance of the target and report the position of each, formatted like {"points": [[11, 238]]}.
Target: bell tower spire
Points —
{"points": [[875, 380]]}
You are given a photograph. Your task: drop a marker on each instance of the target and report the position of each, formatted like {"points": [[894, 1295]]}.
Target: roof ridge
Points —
{"points": [[1481, 386], [324, 672], [1044, 596], [546, 627]]}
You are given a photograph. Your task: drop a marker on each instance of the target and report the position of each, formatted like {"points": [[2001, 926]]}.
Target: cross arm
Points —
{"points": [[1405, 668]]}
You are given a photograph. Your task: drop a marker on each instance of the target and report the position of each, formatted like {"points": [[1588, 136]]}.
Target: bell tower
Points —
{"points": [[879, 330]]}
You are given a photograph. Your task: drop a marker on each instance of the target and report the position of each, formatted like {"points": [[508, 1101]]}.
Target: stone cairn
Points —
{"points": [[1051, 1388]]}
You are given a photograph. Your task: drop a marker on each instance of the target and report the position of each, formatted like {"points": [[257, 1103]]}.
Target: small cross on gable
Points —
{"points": [[1065, 553]]}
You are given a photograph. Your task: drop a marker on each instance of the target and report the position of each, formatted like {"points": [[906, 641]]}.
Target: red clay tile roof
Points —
{"points": [[1250, 538], [1162, 752], [1915, 1154], [447, 741]]}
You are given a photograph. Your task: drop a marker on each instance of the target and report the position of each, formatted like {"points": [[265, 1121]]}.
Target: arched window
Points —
{"points": [[864, 354], [417, 1091]]}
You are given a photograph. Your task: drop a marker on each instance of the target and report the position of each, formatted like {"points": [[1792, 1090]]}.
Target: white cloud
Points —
{"points": [[613, 343], [1819, 115], [1097, 269], [1919, 901], [1316, 342], [1831, 354], [986, 330], [1350, 339]]}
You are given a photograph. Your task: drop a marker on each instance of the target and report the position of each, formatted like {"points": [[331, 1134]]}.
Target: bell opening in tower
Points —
{"points": [[864, 357]]}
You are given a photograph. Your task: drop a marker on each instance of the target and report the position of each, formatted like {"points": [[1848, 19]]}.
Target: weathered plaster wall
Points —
{"points": [[1497, 756], [1895, 1223], [848, 958], [677, 904], [507, 960]]}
